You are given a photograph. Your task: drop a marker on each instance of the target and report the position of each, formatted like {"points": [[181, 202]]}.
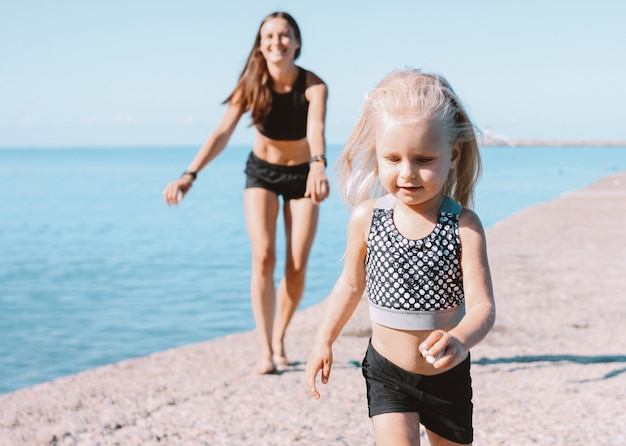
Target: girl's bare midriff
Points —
{"points": [[287, 153], [401, 347]]}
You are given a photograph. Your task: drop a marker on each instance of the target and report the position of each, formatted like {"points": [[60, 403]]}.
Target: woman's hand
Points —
{"points": [[176, 190], [317, 187]]}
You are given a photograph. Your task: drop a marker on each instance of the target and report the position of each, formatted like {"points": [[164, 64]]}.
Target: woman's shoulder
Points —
{"points": [[311, 79]]}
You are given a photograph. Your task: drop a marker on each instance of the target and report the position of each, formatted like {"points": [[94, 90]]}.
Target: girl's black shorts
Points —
{"points": [[444, 401]]}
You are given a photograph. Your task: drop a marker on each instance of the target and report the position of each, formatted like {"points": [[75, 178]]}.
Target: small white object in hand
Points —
{"points": [[431, 359]]}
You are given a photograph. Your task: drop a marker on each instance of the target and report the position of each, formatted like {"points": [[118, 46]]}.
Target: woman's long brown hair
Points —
{"points": [[253, 91]]}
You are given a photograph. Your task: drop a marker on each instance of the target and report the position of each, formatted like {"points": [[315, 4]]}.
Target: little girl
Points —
{"points": [[420, 256]]}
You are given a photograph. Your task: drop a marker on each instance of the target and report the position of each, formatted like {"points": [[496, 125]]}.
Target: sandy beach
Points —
{"points": [[551, 372]]}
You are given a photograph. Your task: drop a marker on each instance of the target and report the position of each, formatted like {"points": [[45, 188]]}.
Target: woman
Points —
{"points": [[287, 105]]}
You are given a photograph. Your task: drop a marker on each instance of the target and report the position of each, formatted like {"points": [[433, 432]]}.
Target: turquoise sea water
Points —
{"points": [[95, 268]]}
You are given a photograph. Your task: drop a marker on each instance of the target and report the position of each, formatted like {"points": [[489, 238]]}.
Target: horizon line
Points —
{"points": [[482, 142]]}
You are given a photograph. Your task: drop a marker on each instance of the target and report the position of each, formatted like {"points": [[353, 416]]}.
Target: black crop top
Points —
{"points": [[288, 118]]}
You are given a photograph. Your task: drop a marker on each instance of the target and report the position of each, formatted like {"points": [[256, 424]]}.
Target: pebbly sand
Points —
{"points": [[551, 372]]}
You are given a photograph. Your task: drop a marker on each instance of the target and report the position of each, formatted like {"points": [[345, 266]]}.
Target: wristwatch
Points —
{"points": [[318, 158], [193, 175]]}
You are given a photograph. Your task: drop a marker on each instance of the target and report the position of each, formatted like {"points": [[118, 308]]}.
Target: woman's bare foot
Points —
{"points": [[265, 367], [281, 360], [279, 357]]}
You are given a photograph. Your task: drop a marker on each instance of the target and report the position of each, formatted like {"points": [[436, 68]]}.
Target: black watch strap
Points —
{"points": [[318, 158], [193, 175]]}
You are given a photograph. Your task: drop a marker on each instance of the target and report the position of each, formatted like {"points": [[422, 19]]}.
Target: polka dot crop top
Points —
{"points": [[414, 284]]}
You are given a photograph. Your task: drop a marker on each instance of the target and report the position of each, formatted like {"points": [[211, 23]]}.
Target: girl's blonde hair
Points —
{"points": [[253, 91], [411, 95]]}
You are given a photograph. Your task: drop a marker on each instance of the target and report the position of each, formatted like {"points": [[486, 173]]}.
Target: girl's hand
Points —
{"points": [[176, 190], [317, 187], [321, 358], [442, 350]]}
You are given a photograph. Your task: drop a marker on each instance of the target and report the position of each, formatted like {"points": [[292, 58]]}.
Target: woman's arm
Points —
{"points": [[213, 146], [218, 140], [317, 95], [343, 299]]}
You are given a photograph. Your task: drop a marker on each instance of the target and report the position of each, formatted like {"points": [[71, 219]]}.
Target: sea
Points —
{"points": [[95, 268]]}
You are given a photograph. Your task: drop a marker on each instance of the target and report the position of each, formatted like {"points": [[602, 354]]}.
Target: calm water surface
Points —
{"points": [[95, 268]]}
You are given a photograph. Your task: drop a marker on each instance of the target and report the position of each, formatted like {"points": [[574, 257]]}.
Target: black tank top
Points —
{"points": [[288, 117]]}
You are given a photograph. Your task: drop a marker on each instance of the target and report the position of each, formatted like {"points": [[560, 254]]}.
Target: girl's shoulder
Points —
{"points": [[469, 221], [365, 207], [361, 218], [363, 211]]}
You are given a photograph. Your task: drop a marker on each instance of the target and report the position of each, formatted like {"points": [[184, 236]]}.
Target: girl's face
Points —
{"points": [[278, 42], [414, 159]]}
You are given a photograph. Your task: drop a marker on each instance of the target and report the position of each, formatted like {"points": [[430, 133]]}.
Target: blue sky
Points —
{"points": [[151, 72]]}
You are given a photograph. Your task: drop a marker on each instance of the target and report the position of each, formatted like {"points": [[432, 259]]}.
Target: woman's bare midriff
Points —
{"points": [[401, 347], [287, 153]]}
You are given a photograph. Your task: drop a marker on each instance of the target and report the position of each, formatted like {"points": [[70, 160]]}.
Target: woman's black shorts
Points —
{"points": [[444, 401], [288, 181]]}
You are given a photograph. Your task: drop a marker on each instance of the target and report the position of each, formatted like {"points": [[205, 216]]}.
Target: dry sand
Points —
{"points": [[552, 371]]}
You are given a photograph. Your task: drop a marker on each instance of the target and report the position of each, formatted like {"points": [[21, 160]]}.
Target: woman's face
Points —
{"points": [[278, 42]]}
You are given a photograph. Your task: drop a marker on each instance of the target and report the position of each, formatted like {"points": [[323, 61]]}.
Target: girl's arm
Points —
{"points": [[317, 95], [343, 299], [213, 146], [479, 301]]}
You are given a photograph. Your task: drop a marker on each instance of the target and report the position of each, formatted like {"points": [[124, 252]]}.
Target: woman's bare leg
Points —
{"points": [[261, 209], [301, 218]]}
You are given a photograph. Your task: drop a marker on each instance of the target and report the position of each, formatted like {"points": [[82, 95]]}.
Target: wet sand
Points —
{"points": [[551, 372]]}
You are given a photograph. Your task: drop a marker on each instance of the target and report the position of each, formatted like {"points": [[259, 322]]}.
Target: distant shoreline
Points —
{"points": [[493, 141], [534, 142]]}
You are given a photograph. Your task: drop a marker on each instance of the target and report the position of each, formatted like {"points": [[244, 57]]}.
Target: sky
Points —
{"points": [[155, 73]]}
